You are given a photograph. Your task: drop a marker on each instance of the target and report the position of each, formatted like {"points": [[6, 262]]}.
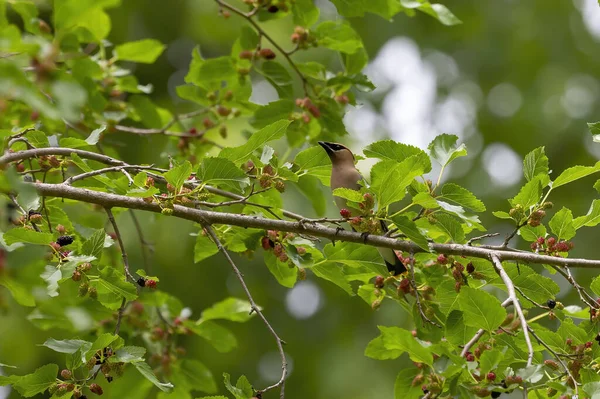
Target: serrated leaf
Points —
{"points": [[331, 272], [51, 276], [232, 309], [562, 225], [221, 171], [218, 336], [410, 229], [358, 8], [128, 354], [356, 256], [390, 179], [242, 390], [272, 112], [339, 36], [204, 248], [28, 236], [179, 174], [377, 350], [315, 162], [451, 227], [67, 345], [242, 153], [425, 200], [389, 150], [395, 338], [535, 163], [443, 149], [489, 360], [481, 309], [462, 197], [192, 375], [94, 137], [403, 387], [279, 77], [575, 173], [456, 331], [531, 234], [284, 274], [501, 215], [103, 341], [94, 245], [310, 188], [144, 51], [146, 371], [440, 12], [349, 194], [37, 382], [529, 194], [112, 288], [305, 13], [592, 218], [20, 292]]}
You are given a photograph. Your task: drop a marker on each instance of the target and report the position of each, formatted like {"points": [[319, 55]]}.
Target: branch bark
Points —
{"points": [[211, 217]]}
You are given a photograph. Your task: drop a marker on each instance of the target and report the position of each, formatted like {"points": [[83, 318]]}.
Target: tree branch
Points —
{"points": [[255, 308], [211, 217]]}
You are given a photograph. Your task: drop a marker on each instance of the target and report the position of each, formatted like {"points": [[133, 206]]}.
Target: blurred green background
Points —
{"points": [[514, 76]]}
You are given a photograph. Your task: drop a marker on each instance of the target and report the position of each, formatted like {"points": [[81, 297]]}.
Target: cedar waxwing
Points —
{"points": [[344, 174]]}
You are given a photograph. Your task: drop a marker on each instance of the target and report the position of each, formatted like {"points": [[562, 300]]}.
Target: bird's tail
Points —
{"points": [[392, 261]]}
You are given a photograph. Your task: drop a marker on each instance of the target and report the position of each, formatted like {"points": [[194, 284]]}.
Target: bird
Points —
{"points": [[345, 175]]}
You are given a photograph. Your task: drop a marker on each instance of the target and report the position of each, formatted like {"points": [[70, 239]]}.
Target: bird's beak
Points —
{"points": [[326, 147]]}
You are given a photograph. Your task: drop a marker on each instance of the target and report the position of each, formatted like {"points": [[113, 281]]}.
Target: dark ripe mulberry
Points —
{"points": [[65, 240], [267, 53], [379, 282], [470, 268], [141, 282], [551, 303], [496, 394], [273, 9]]}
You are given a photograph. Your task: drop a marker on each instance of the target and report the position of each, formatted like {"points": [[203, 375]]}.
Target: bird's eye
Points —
{"points": [[337, 147]]}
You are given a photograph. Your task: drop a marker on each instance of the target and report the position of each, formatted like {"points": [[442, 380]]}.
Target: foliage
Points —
{"points": [[67, 101]]}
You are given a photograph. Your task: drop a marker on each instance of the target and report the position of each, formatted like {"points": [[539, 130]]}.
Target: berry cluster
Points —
{"points": [[147, 282], [267, 177], [275, 240], [309, 108], [550, 246], [303, 38]]}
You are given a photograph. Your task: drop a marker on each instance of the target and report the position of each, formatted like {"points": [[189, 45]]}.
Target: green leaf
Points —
{"points": [[144, 51], [221, 171], [338, 36], [501, 215], [450, 226], [390, 150], [575, 173], [284, 274], [241, 390], [443, 149], [562, 224], [481, 309], [489, 360], [315, 162], [395, 338], [272, 112], [389, 179], [377, 350], [100, 343], [232, 309], [425, 200], [211, 73], [440, 12], [531, 234], [355, 256], [219, 337], [279, 77], [595, 285], [305, 13], [311, 189], [529, 194], [67, 345], [349, 194], [592, 218], [595, 131], [535, 163], [204, 248], [357, 8], [146, 371], [94, 245], [37, 382], [403, 387], [331, 272], [410, 229], [456, 331], [112, 288], [52, 276], [193, 375], [179, 174], [243, 153], [461, 196], [94, 137], [21, 293], [128, 354], [22, 234]]}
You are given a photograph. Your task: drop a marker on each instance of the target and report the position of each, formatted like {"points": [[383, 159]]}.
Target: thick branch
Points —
{"points": [[255, 308], [210, 217]]}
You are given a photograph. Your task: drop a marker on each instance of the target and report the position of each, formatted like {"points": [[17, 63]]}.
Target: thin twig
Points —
{"points": [[511, 235], [512, 295], [529, 299], [413, 283], [121, 245], [102, 171], [286, 54], [478, 238], [557, 357], [255, 308], [583, 295], [146, 246]]}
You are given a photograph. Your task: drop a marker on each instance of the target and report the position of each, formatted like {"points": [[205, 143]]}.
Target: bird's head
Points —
{"points": [[338, 153]]}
